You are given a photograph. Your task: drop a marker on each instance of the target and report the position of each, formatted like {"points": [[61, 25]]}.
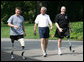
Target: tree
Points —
{"points": [[8, 9], [30, 9]]}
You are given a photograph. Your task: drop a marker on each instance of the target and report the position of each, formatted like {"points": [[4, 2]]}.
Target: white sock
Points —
{"points": [[59, 48]]}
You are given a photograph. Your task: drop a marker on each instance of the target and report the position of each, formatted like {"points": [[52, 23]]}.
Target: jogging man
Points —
{"points": [[63, 24], [17, 31], [43, 21]]}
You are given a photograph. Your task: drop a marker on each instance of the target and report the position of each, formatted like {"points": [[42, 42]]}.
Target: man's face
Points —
{"points": [[43, 11], [17, 11], [63, 9]]}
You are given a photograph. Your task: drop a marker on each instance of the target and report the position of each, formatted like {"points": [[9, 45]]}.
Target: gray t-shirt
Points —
{"points": [[18, 21]]}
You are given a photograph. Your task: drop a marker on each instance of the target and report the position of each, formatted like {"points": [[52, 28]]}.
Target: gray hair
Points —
{"points": [[44, 8]]}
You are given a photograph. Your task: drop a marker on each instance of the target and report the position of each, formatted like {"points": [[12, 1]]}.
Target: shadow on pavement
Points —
{"points": [[6, 57], [74, 53]]}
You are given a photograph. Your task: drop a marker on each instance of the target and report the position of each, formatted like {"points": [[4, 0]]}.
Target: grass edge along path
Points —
{"points": [[76, 35]]}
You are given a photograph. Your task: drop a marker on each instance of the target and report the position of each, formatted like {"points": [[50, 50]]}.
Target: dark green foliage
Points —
{"points": [[31, 8], [73, 8], [8, 9]]}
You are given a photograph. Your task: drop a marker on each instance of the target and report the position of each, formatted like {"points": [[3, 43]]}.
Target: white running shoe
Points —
{"points": [[44, 54], [12, 57]]}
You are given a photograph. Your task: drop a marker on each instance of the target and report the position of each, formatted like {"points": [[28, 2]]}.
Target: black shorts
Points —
{"points": [[16, 37], [63, 34], [44, 32]]}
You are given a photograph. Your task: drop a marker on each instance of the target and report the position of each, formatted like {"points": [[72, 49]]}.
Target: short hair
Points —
{"points": [[18, 8], [63, 6], [44, 8]]}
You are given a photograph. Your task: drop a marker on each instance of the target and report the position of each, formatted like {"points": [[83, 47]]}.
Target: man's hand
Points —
{"points": [[35, 32], [17, 27], [60, 29], [51, 27], [11, 25], [24, 34]]}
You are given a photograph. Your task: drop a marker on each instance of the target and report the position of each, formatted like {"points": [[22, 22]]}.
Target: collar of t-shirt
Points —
{"points": [[43, 14], [17, 15]]}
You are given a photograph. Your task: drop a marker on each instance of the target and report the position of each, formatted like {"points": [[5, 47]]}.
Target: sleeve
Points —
{"points": [[49, 20], [10, 19], [36, 20], [56, 19]]}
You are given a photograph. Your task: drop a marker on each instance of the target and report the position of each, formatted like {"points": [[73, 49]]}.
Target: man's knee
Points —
{"points": [[59, 40], [42, 40], [46, 40]]}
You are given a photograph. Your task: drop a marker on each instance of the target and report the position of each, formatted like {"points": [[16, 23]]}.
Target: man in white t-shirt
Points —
{"points": [[43, 21]]}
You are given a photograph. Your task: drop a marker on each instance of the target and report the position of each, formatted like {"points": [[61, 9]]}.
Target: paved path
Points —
{"points": [[33, 51]]}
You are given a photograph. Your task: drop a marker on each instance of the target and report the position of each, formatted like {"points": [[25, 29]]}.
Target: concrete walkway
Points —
{"points": [[33, 51]]}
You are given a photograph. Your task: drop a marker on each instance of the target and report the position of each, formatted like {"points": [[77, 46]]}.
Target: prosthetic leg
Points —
{"points": [[70, 45], [12, 56], [22, 54], [22, 45]]}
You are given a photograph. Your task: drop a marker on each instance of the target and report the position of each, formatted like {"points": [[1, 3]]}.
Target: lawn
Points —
{"points": [[76, 35]]}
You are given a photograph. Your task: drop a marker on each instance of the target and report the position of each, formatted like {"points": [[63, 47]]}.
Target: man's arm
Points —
{"points": [[11, 25], [50, 22], [35, 25], [51, 26], [60, 29]]}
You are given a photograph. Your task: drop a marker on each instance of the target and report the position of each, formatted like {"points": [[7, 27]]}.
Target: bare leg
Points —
{"points": [[42, 44], [59, 46], [46, 43], [59, 42]]}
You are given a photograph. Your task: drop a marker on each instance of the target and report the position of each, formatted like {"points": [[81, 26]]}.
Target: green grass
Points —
{"points": [[76, 35], [78, 30]]}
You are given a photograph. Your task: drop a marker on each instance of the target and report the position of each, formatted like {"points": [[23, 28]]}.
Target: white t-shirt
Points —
{"points": [[43, 20]]}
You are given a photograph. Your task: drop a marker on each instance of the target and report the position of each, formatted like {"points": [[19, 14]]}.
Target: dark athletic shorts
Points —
{"points": [[63, 34], [44, 32], [16, 37]]}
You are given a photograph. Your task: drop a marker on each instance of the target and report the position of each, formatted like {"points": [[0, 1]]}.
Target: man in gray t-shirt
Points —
{"points": [[17, 31], [16, 21]]}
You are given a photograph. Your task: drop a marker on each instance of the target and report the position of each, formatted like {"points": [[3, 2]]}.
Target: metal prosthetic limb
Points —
{"points": [[22, 44], [70, 46], [12, 50], [22, 54]]}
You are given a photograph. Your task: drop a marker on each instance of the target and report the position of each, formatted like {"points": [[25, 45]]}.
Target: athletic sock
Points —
{"points": [[59, 48], [59, 51]]}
